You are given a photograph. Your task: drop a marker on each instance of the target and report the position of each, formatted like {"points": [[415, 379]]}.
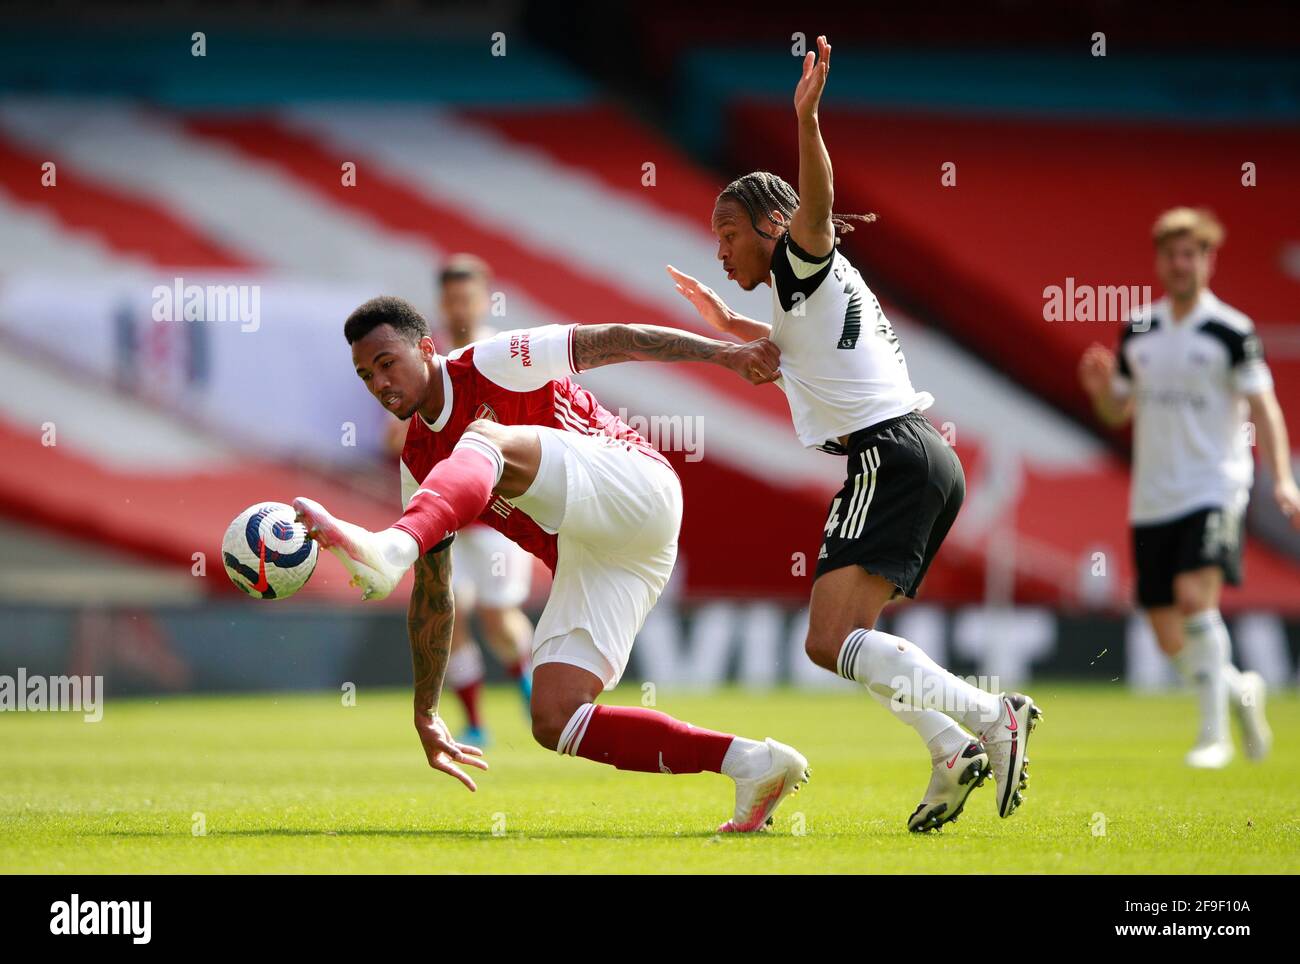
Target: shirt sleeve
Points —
{"points": [[528, 358], [803, 264], [1121, 382], [797, 273], [1250, 373]]}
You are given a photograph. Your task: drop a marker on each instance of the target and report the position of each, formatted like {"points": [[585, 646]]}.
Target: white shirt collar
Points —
{"points": [[1205, 305], [445, 414]]}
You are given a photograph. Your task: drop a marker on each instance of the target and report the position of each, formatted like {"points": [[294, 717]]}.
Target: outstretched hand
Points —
{"points": [[444, 753], [703, 298], [808, 93]]}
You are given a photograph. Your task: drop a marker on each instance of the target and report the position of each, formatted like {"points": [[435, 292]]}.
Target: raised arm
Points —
{"points": [[597, 345], [429, 620], [811, 227], [1275, 451]]}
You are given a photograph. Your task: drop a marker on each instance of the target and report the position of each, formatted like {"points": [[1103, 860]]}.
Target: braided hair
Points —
{"points": [[763, 192]]}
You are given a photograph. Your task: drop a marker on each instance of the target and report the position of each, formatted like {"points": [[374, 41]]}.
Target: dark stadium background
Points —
{"points": [[128, 444]]}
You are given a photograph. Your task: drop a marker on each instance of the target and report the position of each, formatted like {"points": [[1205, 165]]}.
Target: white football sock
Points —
{"points": [[1201, 662], [895, 668], [746, 759], [1231, 675], [941, 734], [398, 547], [1236, 683]]}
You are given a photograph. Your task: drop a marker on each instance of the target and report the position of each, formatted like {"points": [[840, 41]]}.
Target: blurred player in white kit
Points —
{"points": [[491, 575]]}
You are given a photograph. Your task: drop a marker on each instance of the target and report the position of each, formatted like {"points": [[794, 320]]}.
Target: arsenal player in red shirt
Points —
{"points": [[500, 433]]}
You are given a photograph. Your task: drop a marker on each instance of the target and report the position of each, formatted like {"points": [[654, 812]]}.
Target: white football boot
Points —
{"points": [[358, 549], [951, 782], [1210, 756], [758, 798], [1255, 731], [1007, 744]]}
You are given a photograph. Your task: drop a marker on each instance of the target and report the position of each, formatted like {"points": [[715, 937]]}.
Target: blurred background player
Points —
{"points": [[1190, 372], [491, 575], [845, 378]]}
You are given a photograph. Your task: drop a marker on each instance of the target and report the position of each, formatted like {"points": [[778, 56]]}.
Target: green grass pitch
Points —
{"points": [[301, 783]]}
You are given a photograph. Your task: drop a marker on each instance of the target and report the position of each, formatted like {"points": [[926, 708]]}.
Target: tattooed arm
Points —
{"points": [[597, 345], [429, 620]]}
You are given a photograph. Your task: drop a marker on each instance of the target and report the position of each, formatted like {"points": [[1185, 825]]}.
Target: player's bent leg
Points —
{"points": [[567, 719], [1167, 626], [521, 454], [902, 672], [848, 601], [559, 691], [453, 495]]}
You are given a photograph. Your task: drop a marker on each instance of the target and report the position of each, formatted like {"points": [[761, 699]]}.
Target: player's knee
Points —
{"points": [[1191, 598], [549, 721], [823, 647], [487, 428]]}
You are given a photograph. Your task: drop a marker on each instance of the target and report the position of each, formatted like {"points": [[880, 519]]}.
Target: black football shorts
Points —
{"points": [[1206, 537], [904, 488]]}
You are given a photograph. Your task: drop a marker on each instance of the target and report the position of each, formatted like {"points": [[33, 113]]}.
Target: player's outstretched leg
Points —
{"points": [[453, 494], [958, 763], [567, 719]]}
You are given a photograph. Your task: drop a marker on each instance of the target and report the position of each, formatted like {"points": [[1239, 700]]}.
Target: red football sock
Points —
{"points": [[469, 694], [632, 738], [454, 493]]}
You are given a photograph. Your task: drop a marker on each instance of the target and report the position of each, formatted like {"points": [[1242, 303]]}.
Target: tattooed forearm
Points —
{"points": [[597, 345], [428, 622]]}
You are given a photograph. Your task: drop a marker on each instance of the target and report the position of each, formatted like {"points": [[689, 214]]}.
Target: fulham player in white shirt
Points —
{"points": [[844, 376], [1190, 372]]}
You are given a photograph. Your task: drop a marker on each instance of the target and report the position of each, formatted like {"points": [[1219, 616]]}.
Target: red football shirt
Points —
{"points": [[515, 378]]}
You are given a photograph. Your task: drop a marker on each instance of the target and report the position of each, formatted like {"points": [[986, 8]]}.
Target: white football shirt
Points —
{"points": [[842, 367], [1189, 379]]}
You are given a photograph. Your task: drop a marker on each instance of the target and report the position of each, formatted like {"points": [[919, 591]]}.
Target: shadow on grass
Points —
{"points": [[555, 834], [447, 834]]}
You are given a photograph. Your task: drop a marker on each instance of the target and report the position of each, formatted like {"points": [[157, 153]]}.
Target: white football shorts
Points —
{"points": [[617, 512], [488, 569]]}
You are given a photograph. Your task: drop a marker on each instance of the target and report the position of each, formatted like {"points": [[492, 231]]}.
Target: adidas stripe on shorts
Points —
{"points": [[904, 488]]}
